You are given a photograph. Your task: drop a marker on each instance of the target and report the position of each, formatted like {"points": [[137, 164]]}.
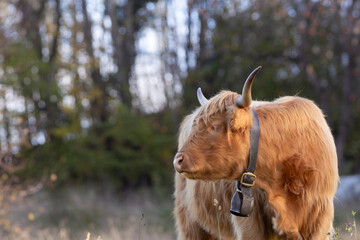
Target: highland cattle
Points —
{"points": [[295, 177]]}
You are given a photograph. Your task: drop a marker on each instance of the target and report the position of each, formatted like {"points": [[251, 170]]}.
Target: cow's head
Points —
{"points": [[214, 140]]}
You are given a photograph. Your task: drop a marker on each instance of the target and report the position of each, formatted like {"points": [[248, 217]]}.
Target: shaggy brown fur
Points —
{"points": [[296, 170]]}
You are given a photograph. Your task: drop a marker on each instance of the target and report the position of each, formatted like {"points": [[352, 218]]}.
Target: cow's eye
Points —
{"points": [[215, 128]]}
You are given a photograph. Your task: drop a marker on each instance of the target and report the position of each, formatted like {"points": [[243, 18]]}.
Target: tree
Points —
{"points": [[78, 120], [304, 46]]}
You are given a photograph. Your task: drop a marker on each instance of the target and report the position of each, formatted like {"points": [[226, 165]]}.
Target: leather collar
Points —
{"points": [[242, 201]]}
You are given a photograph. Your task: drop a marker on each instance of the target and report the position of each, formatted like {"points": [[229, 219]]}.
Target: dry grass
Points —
{"points": [[73, 212]]}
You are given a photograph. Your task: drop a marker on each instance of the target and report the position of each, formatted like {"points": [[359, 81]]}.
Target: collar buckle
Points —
{"points": [[248, 179]]}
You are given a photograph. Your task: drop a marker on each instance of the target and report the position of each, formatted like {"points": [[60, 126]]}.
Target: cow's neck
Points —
{"points": [[277, 143], [242, 201]]}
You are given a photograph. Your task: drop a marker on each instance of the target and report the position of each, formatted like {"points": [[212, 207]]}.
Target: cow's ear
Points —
{"points": [[239, 119]]}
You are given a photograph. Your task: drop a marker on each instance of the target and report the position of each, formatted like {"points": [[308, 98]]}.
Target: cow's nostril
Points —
{"points": [[178, 160], [182, 162]]}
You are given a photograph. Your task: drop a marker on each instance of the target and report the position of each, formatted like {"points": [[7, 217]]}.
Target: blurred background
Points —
{"points": [[92, 93]]}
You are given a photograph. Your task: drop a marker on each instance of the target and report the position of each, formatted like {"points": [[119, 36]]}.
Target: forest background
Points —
{"points": [[93, 92]]}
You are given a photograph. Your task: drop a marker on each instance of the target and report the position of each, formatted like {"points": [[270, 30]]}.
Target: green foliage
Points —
{"points": [[27, 73], [240, 44], [128, 151]]}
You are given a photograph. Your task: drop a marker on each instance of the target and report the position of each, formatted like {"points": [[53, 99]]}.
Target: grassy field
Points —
{"points": [[74, 211]]}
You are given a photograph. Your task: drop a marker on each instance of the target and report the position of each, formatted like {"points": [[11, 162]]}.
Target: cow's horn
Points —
{"points": [[202, 99], [245, 100]]}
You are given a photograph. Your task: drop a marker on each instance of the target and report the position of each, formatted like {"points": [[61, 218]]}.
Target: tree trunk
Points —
{"points": [[128, 56], [188, 47], [202, 41], [30, 22], [99, 103], [124, 47], [347, 47], [169, 64], [57, 17], [345, 107], [6, 122]]}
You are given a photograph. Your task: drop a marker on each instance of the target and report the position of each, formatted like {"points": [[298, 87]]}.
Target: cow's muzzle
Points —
{"points": [[181, 162]]}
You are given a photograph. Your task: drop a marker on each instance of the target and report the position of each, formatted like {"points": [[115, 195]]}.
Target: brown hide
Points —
{"points": [[296, 170]]}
